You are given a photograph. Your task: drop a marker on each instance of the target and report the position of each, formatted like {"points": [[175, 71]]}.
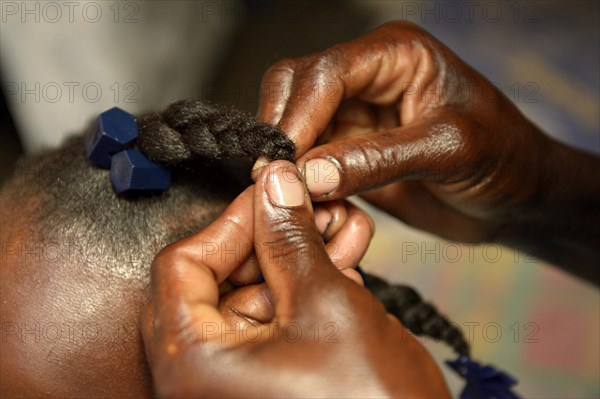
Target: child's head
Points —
{"points": [[76, 256]]}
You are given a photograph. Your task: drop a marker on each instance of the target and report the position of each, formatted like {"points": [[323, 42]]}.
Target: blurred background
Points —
{"points": [[61, 63]]}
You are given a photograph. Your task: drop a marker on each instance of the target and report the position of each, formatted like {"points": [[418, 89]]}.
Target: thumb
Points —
{"points": [[289, 248]]}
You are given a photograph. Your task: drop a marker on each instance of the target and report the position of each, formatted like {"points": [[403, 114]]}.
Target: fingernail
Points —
{"points": [[284, 186], [322, 219], [322, 176], [259, 165]]}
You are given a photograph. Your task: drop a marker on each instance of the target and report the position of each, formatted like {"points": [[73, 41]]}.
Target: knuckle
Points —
{"points": [[399, 24], [167, 255], [293, 239], [339, 212], [402, 28], [171, 257], [335, 56], [277, 82], [292, 242], [278, 70], [376, 161], [459, 138], [457, 131], [364, 222], [361, 219], [235, 224], [325, 69]]}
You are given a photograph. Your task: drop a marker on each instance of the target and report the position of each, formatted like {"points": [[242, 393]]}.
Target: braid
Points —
{"points": [[419, 317], [191, 129]]}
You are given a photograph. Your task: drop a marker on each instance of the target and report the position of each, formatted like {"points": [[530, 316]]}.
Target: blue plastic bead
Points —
{"points": [[483, 382], [112, 131], [131, 171]]}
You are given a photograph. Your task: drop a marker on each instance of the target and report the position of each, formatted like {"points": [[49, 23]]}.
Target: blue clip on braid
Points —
{"points": [[130, 170]]}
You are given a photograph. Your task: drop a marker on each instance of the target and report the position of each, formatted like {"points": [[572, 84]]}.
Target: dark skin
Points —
{"points": [[461, 162], [195, 351], [426, 138], [70, 329], [451, 166]]}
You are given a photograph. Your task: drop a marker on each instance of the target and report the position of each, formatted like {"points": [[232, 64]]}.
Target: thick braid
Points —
{"points": [[419, 317], [190, 129], [193, 129]]}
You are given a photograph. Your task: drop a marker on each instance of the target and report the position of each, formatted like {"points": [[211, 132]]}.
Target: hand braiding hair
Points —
{"points": [[190, 129]]}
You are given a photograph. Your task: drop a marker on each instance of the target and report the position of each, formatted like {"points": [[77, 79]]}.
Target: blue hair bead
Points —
{"points": [[130, 170], [483, 381], [113, 130]]}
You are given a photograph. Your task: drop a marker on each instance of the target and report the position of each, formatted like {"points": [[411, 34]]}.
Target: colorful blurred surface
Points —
{"points": [[522, 315]]}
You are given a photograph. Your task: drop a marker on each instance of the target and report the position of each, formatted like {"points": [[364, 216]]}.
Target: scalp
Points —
{"points": [[75, 269]]}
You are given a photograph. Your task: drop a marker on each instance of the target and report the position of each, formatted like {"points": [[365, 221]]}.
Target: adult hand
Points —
{"points": [[398, 117], [346, 231], [325, 335]]}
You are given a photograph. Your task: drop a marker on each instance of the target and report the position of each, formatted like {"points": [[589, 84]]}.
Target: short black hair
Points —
{"points": [[198, 141]]}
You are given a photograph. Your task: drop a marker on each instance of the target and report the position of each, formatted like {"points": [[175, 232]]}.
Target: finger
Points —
{"points": [[274, 94], [247, 306], [186, 274], [347, 231], [330, 216], [224, 244], [431, 149], [347, 234], [350, 242], [289, 248], [353, 275], [375, 67], [415, 205], [247, 273], [274, 91]]}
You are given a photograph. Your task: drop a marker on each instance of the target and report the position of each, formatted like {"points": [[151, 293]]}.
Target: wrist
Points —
{"points": [[560, 221]]}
